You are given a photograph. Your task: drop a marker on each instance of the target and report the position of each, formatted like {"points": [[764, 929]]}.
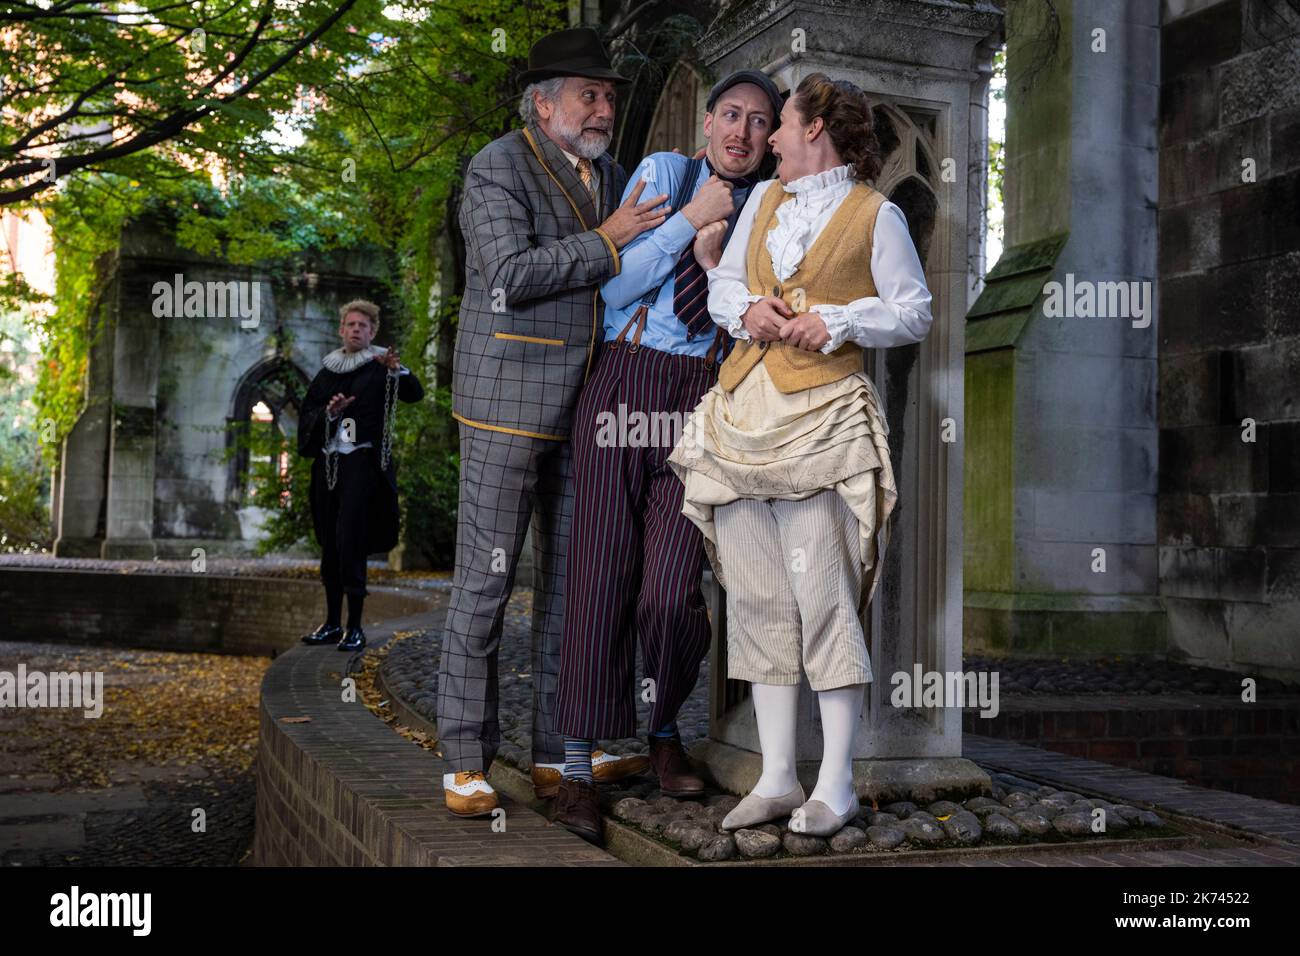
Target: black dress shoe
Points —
{"points": [[353, 639], [325, 634]]}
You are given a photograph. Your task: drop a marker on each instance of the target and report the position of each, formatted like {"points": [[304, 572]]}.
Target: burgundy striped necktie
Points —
{"points": [[691, 283]]}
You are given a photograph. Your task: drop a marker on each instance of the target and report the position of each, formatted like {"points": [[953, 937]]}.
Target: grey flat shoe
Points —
{"points": [[821, 820], [755, 809]]}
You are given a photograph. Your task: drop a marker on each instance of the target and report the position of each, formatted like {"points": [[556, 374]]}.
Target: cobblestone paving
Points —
{"points": [[411, 671], [178, 733]]}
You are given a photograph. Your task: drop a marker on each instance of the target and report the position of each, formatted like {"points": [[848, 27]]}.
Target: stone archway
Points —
{"points": [[265, 402]]}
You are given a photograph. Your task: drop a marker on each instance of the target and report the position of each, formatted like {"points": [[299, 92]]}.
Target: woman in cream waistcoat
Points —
{"points": [[786, 460]]}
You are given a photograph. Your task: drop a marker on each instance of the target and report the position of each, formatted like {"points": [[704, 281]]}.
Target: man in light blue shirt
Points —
{"points": [[634, 561]]}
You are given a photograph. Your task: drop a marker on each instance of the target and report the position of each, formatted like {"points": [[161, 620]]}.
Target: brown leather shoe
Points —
{"points": [[546, 780], [468, 794], [669, 762], [609, 768], [577, 809]]}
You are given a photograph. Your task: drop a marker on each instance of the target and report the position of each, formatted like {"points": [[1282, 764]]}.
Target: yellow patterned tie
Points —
{"points": [[586, 175]]}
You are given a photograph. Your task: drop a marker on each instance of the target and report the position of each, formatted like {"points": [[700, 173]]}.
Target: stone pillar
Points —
{"points": [[83, 462], [1061, 411], [129, 518], [923, 64]]}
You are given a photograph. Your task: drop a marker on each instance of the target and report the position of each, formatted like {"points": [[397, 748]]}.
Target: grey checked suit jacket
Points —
{"points": [[533, 251]]}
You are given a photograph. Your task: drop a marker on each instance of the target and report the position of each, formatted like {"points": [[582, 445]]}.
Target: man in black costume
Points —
{"points": [[346, 427]]}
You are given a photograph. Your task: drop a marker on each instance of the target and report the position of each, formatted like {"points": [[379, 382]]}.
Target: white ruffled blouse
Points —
{"points": [[898, 315]]}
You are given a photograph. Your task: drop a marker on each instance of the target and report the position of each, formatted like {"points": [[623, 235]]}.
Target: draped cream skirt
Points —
{"points": [[758, 442]]}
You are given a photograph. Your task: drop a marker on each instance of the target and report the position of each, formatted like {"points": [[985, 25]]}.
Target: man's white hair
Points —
{"points": [[550, 90]]}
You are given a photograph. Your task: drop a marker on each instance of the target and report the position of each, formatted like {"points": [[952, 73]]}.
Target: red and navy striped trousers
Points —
{"points": [[634, 561]]}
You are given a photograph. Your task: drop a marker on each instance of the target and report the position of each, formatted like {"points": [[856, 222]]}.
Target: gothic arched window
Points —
{"points": [[263, 427]]}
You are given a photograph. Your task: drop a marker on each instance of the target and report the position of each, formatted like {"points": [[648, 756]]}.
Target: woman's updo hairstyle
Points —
{"points": [[844, 110]]}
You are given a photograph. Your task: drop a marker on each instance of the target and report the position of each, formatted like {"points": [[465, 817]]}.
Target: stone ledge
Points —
{"points": [[344, 790]]}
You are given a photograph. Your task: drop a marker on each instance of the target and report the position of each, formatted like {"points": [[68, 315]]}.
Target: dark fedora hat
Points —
{"points": [[575, 52]]}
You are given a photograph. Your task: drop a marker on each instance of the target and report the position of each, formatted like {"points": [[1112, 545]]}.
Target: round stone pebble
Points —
{"points": [[802, 844], [696, 837], [848, 840], [719, 848], [881, 819], [1018, 801], [964, 827], [886, 837], [1147, 818], [1126, 813], [677, 829], [1031, 822], [922, 832], [624, 808], [1072, 824], [755, 844], [974, 803], [999, 827], [654, 823], [902, 809]]}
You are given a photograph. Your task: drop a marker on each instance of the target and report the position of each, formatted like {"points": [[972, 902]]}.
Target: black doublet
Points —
{"points": [[367, 383]]}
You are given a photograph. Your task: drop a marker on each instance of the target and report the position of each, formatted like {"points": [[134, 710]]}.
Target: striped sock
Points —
{"points": [[577, 759]]}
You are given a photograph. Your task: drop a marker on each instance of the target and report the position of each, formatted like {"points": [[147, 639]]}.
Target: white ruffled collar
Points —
{"points": [[811, 186], [343, 361], [789, 240]]}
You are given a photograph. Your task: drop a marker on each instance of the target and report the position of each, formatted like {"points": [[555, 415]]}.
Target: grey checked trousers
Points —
{"points": [[506, 481]]}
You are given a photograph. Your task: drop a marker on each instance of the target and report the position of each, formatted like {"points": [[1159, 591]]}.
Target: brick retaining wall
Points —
{"points": [[1222, 744], [174, 612]]}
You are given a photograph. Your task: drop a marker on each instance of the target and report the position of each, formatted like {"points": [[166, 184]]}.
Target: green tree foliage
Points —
{"points": [[135, 87]]}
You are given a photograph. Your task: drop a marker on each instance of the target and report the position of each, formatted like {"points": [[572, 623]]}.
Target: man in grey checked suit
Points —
{"points": [[543, 227]]}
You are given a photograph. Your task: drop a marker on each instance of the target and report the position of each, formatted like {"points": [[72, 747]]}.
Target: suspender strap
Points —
{"points": [[684, 191], [718, 349], [639, 319]]}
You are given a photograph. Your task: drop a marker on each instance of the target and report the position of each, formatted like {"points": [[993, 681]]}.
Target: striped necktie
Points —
{"points": [[690, 282]]}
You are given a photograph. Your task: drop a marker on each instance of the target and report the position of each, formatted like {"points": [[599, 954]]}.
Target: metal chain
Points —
{"points": [[390, 419], [331, 458]]}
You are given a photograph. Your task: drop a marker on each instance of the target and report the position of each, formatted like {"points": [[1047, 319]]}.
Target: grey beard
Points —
{"points": [[588, 146]]}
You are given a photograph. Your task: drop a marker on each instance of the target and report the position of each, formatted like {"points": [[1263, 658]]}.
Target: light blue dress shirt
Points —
{"points": [[651, 258]]}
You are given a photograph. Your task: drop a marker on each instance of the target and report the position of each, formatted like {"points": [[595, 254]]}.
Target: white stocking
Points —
{"points": [[775, 707], [840, 711]]}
